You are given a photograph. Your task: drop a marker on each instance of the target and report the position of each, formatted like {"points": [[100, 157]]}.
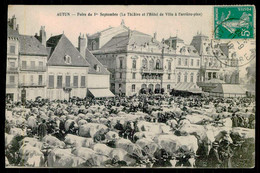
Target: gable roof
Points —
{"points": [[92, 60], [29, 45], [61, 46]]}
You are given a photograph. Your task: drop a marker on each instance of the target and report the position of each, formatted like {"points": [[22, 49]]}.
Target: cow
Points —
{"points": [[75, 140], [53, 141], [32, 141], [63, 158], [102, 149], [31, 156], [148, 146], [91, 129]]}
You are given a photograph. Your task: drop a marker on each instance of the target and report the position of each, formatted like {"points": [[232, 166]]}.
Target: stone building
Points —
{"points": [[138, 61], [12, 60], [67, 69]]}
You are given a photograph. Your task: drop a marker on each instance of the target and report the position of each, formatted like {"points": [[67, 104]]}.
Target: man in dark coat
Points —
{"points": [[225, 154], [213, 157], [42, 130]]}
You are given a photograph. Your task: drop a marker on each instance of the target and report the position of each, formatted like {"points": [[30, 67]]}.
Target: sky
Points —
{"points": [[31, 18]]}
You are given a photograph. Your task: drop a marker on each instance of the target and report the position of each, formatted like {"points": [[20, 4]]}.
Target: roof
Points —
{"points": [[99, 93], [229, 89], [122, 40], [92, 60], [215, 81], [175, 38], [12, 33], [60, 47], [187, 86], [29, 45]]}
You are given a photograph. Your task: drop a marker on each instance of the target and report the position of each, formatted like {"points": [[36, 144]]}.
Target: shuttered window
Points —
{"points": [[83, 81], [67, 81], [75, 81], [59, 81], [51, 81]]}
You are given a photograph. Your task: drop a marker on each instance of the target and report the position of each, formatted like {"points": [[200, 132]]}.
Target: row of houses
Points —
{"points": [[53, 68], [116, 59]]}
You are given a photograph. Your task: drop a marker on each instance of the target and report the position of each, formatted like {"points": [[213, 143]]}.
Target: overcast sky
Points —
{"points": [[31, 18]]}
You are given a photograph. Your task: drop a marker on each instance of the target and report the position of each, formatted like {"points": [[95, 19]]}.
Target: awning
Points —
{"points": [[188, 87], [98, 93]]}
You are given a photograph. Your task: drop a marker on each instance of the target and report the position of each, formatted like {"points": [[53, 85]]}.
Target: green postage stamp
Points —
{"points": [[233, 22]]}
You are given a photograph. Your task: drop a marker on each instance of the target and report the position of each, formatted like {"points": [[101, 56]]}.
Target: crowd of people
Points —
{"points": [[45, 117]]}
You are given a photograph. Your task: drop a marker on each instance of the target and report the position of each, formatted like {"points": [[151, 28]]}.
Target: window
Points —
{"points": [[191, 77], [169, 65], [198, 78], [185, 78], [83, 81], [157, 66], [121, 63], [168, 87], [133, 88], [33, 64], [41, 64], [144, 64], [198, 62], [75, 81], [113, 75], [59, 81], [51, 81], [12, 49], [31, 78], [67, 81], [191, 62], [179, 61], [133, 75], [134, 64], [40, 80], [186, 62], [67, 59], [12, 64], [179, 77], [24, 64], [169, 76], [11, 79], [93, 45]]}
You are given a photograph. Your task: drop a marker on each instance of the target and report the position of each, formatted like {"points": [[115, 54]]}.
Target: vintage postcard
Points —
{"points": [[130, 86]]}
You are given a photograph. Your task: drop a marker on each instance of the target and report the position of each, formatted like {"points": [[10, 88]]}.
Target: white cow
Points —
{"points": [[31, 156], [53, 141], [78, 141]]}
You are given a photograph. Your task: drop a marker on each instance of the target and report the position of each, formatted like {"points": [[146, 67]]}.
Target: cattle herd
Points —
{"points": [[138, 131]]}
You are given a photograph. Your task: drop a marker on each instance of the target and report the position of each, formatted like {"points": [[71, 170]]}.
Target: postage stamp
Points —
{"points": [[233, 22]]}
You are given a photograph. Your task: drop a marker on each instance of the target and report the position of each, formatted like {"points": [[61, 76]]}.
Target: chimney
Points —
{"points": [[129, 33], [13, 22], [17, 28], [42, 36], [82, 42], [155, 35]]}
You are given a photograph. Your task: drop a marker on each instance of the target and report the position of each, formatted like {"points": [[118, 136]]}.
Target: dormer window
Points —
{"points": [[97, 67], [67, 59]]}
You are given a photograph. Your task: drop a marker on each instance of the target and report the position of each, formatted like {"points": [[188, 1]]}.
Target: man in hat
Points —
{"points": [[42, 130], [225, 153], [213, 157]]}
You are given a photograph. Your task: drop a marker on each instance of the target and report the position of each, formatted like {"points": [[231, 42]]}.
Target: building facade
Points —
{"points": [[67, 70], [138, 61], [33, 70], [12, 60]]}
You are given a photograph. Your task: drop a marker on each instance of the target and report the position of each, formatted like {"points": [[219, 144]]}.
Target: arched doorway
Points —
{"points": [[143, 89], [157, 88], [150, 88]]}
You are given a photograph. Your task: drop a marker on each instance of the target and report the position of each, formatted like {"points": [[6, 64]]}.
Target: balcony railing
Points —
{"points": [[33, 68], [152, 70], [12, 69], [32, 84]]}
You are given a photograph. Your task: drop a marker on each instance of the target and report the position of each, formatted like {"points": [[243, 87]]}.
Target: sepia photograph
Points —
{"points": [[130, 86]]}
